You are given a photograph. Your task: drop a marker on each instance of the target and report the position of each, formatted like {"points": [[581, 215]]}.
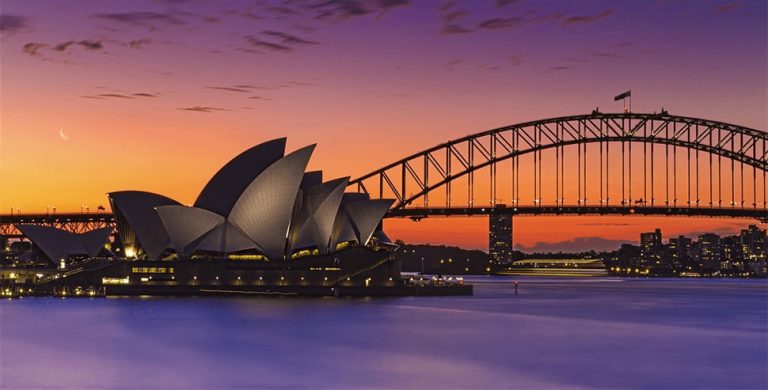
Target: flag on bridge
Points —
{"points": [[622, 96]]}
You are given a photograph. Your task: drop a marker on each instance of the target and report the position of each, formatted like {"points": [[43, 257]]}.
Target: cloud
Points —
{"points": [[142, 18], [488, 67], [450, 15], [453, 16], [576, 245], [300, 84], [516, 59], [339, 9], [63, 46], [203, 109], [231, 89], [560, 68], [451, 29], [139, 43], [173, 2], [90, 45], [37, 48], [120, 96], [575, 60], [12, 23], [320, 9], [204, 18], [605, 55], [259, 87], [115, 95], [285, 42], [33, 48], [725, 8], [251, 51], [501, 23], [288, 39], [387, 4], [282, 11], [452, 64], [448, 5], [245, 88], [267, 45], [588, 19]]}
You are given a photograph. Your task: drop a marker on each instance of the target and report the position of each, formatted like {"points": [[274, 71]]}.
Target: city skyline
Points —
{"points": [[110, 96]]}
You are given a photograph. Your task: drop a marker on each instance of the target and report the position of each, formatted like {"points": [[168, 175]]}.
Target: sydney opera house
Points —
{"points": [[262, 204], [262, 224]]}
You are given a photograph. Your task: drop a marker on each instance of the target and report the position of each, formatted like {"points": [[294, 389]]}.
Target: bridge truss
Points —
{"points": [[600, 163], [595, 164], [72, 222]]}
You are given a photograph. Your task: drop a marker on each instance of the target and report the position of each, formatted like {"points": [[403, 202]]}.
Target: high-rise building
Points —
{"points": [[679, 248], [731, 256], [500, 238], [651, 249], [754, 244], [709, 251]]}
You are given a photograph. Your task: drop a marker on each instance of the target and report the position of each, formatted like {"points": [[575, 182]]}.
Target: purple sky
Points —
{"points": [[151, 83]]}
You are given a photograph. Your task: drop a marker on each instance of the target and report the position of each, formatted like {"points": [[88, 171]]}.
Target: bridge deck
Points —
{"points": [[723, 212], [759, 212], [73, 222]]}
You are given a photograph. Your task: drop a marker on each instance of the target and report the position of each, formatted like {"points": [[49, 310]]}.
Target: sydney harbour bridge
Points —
{"points": [[653, 164]]}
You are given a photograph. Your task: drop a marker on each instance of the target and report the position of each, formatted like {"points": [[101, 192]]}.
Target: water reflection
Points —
{"points": [[556, 333]]}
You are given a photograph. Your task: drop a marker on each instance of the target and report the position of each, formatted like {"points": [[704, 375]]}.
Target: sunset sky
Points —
{"points": [[98, 96]]}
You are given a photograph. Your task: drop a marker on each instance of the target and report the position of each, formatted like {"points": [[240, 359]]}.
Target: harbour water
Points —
{"points": [[556, 333]]}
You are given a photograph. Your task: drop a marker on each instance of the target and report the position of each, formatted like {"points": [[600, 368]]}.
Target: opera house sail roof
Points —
{"points": [[224, 188], [58, 244], [138, 223], [262, 201]]}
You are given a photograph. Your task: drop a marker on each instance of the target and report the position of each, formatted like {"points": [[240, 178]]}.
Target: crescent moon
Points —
{"points": [[62, 135]]}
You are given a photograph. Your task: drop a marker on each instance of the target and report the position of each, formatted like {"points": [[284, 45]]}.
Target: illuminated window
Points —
{"points": [[246, 257], [124, 280]]}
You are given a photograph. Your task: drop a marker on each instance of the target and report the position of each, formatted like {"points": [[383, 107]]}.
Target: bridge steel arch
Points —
{"points": [[408, 179]]}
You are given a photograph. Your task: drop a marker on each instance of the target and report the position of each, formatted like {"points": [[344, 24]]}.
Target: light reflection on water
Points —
{"points": [[592, 332]]}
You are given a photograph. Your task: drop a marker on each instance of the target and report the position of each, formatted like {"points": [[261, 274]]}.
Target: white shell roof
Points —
{"points": [[358, 218], [314, 224], [59, 244], [366, 215], [185, 225], [138, 208], [225, 238], [259, 200], [225, 187], [264, 210]]}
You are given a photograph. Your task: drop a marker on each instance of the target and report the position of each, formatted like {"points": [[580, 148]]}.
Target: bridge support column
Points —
{"points": [[500, 236]]}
